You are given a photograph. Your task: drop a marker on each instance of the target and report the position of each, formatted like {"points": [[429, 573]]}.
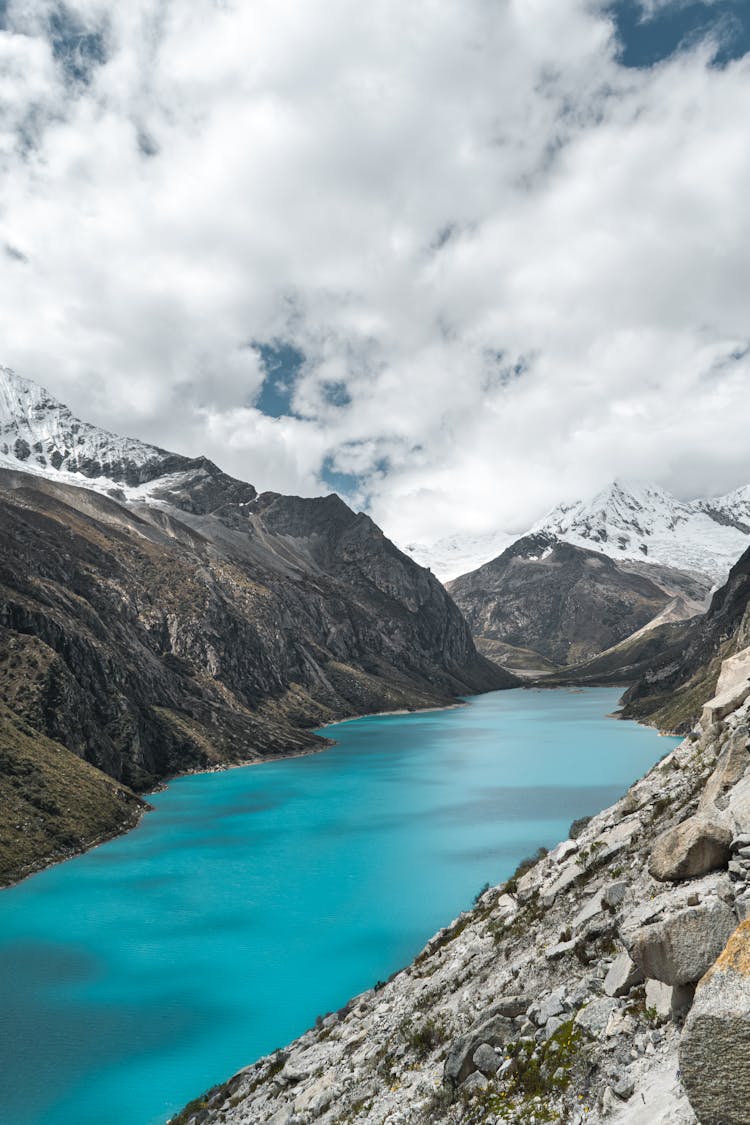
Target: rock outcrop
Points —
{"points": [[715, 1044], [690, 849], [674, 687]]}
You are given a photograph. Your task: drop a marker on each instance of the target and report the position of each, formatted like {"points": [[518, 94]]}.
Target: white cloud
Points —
{"points": [[516, 269]]}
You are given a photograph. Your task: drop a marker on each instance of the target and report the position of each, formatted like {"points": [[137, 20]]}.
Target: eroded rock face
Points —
{"points": [[680, 948], [691, 849], [715, 1044]]}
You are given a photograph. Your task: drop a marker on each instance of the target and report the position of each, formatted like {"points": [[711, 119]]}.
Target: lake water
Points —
{"points": [[250, 901]]}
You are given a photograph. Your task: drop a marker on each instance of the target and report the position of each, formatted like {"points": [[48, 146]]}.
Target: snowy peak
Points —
{"points": [[649, 523], [617, 516], [40, 434]]}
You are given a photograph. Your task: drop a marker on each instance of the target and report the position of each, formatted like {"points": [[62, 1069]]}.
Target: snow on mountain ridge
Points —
{"points": [[459, 554], [39, 433], [649, 523]]}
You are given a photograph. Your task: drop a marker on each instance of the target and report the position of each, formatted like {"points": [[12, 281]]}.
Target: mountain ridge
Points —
{"points": [[628, 523]]}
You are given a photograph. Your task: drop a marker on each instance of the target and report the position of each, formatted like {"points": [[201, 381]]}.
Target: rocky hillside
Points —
{"points": [[544, 603], [172, 619], [672, 686], [607, 982]]}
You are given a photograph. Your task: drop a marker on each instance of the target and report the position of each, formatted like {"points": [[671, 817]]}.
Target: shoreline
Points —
{"points": [[223, 767], [328, 744]]}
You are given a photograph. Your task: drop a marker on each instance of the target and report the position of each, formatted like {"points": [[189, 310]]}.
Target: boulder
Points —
{"points": [[692, 849], [495, 1031], [485, 1060], [594, 1018], [512, 1005], [730, 767], [622, 976], [715, 1043], [317, 1097], [681, 947], [553, 1004], [659, 997], [614, 894], [474, 1083]]}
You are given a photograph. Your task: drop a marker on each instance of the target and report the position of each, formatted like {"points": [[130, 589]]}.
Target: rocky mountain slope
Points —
{"points": [[546, 603], [172, 619], [673, 685], [609, 981]]}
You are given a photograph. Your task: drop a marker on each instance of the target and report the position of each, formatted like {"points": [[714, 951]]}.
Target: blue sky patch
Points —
{"points": [[78, 49], [281, 363], [647, 40], [343, 483]]}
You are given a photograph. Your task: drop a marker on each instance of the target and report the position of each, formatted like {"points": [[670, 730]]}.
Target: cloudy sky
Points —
{"points": [[457, 259]]}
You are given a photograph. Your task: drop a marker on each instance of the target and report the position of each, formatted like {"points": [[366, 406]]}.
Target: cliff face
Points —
{"points": [[149, 639], [593, 987], [544, 602]]}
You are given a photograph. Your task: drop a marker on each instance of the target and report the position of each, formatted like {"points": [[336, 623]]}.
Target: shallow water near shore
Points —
{"points": [[252, 900]]}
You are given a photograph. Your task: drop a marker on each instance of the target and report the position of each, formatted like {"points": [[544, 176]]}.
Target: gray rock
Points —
{"points": [[555, 952], [715, 1043], [614, 894], [552, 1025], [486, 1060], [548, 1006], [738, 870], [474, 1082], [317, 1097], [681, 947], [622, 976], [742, 906], [659, 997], [624, 1087], [510, 1006], [594, 1018], [692, 849], [495, 1031]]}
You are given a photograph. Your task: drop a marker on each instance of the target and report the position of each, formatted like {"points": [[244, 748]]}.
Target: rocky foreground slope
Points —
{"points": [[608, 982], [158, 616]]}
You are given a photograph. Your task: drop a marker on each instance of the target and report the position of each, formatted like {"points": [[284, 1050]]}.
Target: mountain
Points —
{"points": [[626, 523], [674, 683], [547, 603], [157, 616], [701, 536]]}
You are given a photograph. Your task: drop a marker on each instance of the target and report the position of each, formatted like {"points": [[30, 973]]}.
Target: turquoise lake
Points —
{"points": [[252, 900]]}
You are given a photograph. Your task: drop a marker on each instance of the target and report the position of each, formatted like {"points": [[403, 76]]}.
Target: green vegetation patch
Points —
{"points": [[54, 804]]}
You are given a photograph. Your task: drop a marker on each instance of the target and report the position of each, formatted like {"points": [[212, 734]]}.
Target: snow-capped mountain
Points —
{"points": [[650, 524], [40, 435], [625, 522]]}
